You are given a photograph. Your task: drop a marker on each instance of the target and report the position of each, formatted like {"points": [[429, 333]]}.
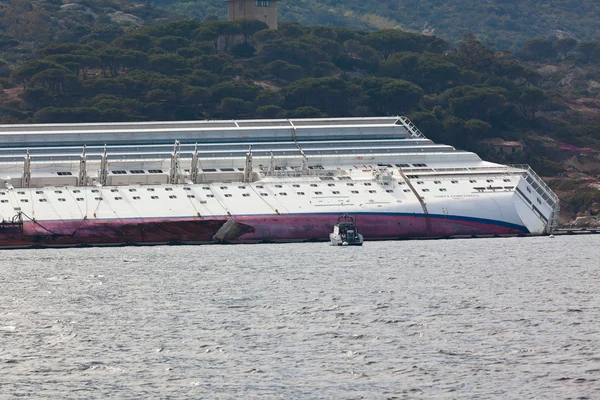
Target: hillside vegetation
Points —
{"points": [[506, 23]]}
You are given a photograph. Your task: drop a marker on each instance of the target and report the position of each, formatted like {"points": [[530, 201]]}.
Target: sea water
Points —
{"points": [[513, 318]]}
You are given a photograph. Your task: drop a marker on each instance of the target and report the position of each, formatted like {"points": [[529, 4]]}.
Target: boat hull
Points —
{"points": [[261, 228]]}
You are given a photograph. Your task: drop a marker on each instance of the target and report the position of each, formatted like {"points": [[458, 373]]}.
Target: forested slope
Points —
{"points": [[506, 23]]}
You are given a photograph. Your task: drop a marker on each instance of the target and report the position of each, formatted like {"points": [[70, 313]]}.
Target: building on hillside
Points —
{"points": [[262, 10], [502, 146]]}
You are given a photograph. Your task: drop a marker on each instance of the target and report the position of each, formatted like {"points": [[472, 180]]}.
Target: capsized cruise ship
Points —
{"points": [[252, 181]]}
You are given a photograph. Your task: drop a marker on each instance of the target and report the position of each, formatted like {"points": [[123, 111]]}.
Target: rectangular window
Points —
{"points": [[300, 193], [227, 195], [155, 171], [43, 200], [282, 193], [61, 199], [191, 196], [442, 189], [133, 190], [168, 189], [136, 171], [119, 172], [261, 3], [118, 198], [389, 191], [172, 196], [335, 192], [79, 199], [64, 173], [136, 197], [154, 197], [245, 194]]}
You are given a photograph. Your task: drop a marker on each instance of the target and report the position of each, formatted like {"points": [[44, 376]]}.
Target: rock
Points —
{"points": [[547, 69], [593, 86], [72, 7], [122, 18]]}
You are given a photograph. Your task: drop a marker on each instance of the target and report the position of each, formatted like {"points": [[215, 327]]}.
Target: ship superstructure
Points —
{"points": [[254, 181]]}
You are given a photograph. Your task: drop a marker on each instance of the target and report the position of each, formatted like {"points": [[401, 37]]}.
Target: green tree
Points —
{"points": [[249, 27], [171, 44], [333, 96], [134, 41], [24, 73], [270, 111], [390, 41], [168, 64], [231, 108], [531, 100], [234, 89], [283, 70], [538, 49], [564, 46], [588, 48]]}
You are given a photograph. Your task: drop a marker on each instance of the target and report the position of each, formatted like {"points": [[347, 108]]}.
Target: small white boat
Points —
{"points": [[345, 232]]}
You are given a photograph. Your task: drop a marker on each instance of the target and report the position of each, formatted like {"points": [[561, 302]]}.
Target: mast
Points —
{"points": [[82, 179], [248, 167], [26, 177], [173, 172], [194, 166], [103, 173]]}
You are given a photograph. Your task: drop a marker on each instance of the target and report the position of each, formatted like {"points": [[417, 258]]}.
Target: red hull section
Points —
{"points": [[372, 227], [280, 228], [111, 232]]}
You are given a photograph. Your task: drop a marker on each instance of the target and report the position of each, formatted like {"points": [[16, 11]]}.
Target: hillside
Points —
{"points": [[506, 23]]}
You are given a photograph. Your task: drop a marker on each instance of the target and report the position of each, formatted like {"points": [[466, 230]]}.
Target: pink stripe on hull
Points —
{"points": [[372, 226], [265, 228]]}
